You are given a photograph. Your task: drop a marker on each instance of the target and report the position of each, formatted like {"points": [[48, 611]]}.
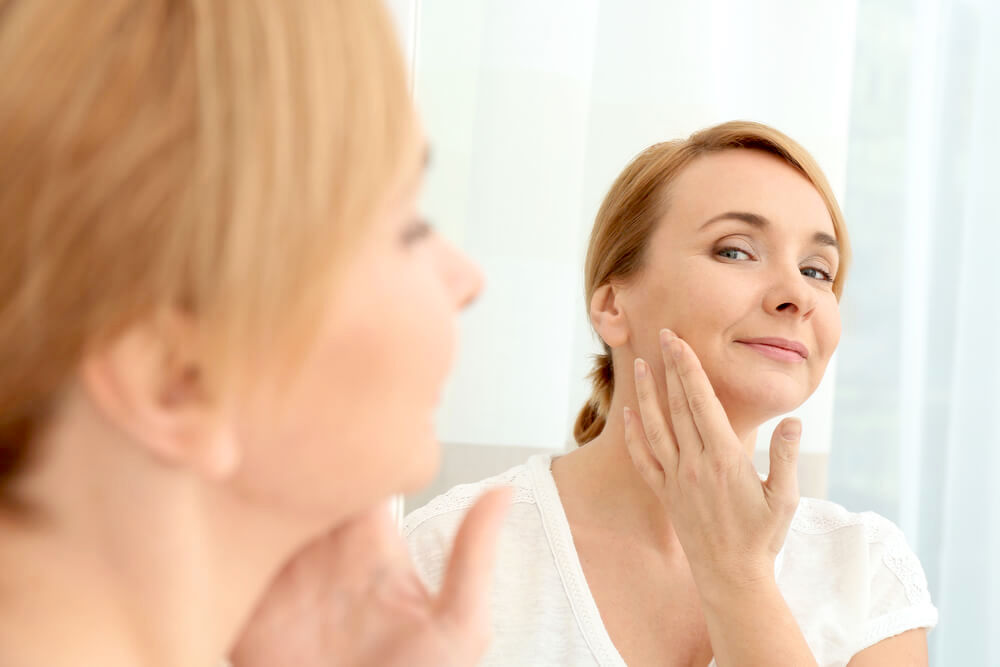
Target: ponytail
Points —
{"points": [[594, 414]]}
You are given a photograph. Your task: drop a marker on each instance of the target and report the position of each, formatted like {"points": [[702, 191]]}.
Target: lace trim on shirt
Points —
{"points": [[898, 622], [902, 562], [462, 497], [557, 530], [813, 518]]}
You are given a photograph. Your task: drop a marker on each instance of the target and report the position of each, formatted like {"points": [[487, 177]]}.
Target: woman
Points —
{"points": [[223, 329], [713, 277]]}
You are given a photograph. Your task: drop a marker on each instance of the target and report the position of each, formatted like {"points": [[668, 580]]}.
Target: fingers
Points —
{"points": [[702, 406], [368, 540], [782, 478], [689, 440], [649, 468], [464, 592], [654, 426]]}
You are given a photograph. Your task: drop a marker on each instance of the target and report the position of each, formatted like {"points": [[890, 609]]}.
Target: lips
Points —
{"points": [[779, 348]]}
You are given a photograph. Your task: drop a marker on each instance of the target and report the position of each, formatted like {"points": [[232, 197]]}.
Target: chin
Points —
{"points": [[765, 399], [424, 461]]}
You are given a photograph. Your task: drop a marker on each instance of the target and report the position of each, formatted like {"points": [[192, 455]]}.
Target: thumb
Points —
{"points": [[466, 585], [783, 477]]}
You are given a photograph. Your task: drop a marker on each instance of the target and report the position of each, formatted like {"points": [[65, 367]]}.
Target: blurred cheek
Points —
{"points": [[365, 398]]}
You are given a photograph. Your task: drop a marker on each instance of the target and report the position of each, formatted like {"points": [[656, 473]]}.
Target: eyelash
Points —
{"points": [[416, 231], [825, 276]]}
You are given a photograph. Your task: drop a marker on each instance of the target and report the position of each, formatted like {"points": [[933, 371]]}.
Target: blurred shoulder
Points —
{"points": [[448, 508]]}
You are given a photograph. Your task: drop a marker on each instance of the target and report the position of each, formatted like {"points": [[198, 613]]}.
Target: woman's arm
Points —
{"points": [[908, 649], [754, 626], [731, 524]]}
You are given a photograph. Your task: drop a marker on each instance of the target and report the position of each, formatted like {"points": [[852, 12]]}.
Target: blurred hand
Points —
{"points": [[730, 524], [353, 598]]}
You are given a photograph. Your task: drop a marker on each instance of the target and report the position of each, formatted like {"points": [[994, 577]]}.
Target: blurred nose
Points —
{"points": [[790, 295], [463, 277]]}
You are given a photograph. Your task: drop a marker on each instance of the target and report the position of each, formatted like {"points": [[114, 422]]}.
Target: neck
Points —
{"points": [[129, 561], [600, 486]]}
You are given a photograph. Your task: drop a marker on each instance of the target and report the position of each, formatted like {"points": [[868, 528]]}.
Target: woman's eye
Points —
{"points": [[818, 274], [415, 232], [733, 253]]}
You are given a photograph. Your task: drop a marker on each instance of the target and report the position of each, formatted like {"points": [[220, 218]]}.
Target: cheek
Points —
{"points": [[828, 327], [396, 353], [706, 302], [364, 400]]}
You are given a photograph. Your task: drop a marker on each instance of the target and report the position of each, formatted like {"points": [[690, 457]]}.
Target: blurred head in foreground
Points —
{"points": [[222, 320]]}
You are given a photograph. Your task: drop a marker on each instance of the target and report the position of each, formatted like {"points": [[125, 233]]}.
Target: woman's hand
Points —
{"points": [[730, 524], [353, 598]]}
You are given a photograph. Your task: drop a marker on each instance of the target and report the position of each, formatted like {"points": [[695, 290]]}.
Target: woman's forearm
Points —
{"points": [[751, 625]]}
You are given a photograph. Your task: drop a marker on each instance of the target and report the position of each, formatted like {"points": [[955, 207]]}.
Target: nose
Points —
{"points": [[790, 295], [462, 277]]}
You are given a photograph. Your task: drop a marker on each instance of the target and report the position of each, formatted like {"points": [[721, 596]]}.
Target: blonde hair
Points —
{"points": [[217, 157], [638, 199]]}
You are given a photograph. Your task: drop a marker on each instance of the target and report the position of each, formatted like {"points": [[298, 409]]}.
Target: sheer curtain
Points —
{"points": [[917, 393]]}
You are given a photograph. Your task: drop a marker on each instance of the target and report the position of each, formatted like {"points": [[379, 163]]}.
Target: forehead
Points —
{"points": [[746, 180]]}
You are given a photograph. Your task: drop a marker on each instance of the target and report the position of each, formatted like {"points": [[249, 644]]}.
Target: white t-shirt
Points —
{"points": [[849, 579]]}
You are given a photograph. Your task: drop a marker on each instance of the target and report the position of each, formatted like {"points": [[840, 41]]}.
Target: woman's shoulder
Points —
{"points": [[453, 503], [834, 537], [430, 530], [861, 565], [815, 516]]}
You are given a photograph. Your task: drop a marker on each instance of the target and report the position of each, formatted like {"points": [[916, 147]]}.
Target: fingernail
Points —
{"points": [[640, 368], [628, 417], [792, 430], [676, 349], [666, 335]]}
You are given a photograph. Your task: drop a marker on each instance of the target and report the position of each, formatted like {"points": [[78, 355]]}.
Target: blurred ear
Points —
{"points": [[608, 317], [148, 384]]}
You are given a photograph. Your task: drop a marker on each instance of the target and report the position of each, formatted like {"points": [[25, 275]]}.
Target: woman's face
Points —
{"points": [[357, 423], [741, 267]]}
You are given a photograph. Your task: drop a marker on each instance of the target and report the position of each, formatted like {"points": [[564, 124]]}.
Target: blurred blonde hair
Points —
{"points": [[218, 157], [638, 200]]}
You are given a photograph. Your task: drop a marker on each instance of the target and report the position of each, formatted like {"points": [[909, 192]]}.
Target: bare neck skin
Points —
{"points": [[127, 561], [599, 484]]}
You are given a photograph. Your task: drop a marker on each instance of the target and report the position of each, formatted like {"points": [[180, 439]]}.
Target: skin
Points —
{"points": [[162, 515], [639, 496]]}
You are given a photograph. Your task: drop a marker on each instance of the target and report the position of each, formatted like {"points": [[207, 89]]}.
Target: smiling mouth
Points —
{"points": [[778, 349]]}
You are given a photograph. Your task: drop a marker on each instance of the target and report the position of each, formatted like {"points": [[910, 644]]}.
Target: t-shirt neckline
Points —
{"points": [[560, 537], [557, 531]]}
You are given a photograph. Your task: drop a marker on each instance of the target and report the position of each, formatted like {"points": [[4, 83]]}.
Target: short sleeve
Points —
{"points": [[899, 599]]}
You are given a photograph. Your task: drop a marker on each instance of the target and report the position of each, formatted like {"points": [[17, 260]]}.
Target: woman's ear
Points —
{"points": [[608, 317], [147, 384]]}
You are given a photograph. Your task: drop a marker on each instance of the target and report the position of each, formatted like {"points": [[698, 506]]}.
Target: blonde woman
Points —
{"points": [[713, 277], [223, 328]]}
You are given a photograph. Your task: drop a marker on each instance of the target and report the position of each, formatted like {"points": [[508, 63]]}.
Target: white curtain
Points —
{"points": [[533, 107], [918, 386]]}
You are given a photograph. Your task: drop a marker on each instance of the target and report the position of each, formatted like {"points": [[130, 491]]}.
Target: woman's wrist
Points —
{"points": [[723, 586], [749, 623]]}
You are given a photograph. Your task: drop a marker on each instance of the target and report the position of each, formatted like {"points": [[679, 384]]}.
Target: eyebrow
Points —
{"points": [[760, 222]]}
